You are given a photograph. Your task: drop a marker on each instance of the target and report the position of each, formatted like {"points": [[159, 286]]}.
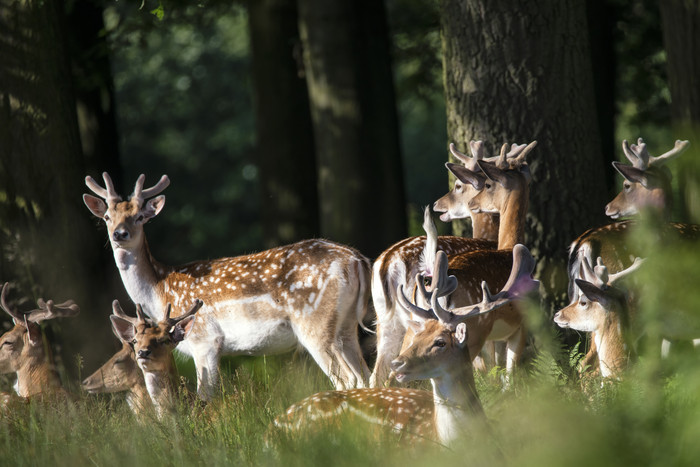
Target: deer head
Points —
{"points": [[647, 182], [598, 299], [153, 342], [125, 219], [444, 331], [23, 344], [469, 178]]}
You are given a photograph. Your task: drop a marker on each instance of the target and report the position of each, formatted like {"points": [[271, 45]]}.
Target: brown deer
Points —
{"points": [[399, 264], [439, 352], [121, 373], [603, 310], [23, 351], [153, 344], [647, 185], [313, 292]]}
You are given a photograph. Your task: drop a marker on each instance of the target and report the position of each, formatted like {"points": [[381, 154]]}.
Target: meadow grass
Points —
{"points": [[549, 416]]}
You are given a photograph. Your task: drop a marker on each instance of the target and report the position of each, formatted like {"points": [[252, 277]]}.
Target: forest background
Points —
{"points": [[278, 120]]}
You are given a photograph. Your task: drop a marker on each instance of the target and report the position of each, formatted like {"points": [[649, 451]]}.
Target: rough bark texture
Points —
{"points": [[517, 72], [50, 247], [346, 56], [681, 31], [285, 145]]}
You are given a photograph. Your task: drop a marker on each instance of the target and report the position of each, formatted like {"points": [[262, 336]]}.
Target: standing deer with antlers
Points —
{"points": [[399, 264], [438, 351], [647, 185], [22, 349], [313, 292], [603, 310]]}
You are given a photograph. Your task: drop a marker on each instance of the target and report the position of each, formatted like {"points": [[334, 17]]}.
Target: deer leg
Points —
{"points": [[207, 367], [514, 349], [352, 355], [389, 339]]}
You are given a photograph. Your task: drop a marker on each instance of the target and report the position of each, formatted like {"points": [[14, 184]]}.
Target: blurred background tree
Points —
{"points": [[224, 98]]}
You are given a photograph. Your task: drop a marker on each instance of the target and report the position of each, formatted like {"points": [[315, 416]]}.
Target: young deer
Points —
{"points": [[399, 264], [153, 344], [313, 293], [22, 349], [604, 310], [121, 373], [438, 351]]}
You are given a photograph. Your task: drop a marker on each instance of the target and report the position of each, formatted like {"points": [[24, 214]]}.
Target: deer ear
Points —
{"points": [[179, 332], [154, 206], [95, 205], [493, 172], [416, 326], [593, 293], [123, 329], [631, 174], [465, 175], [34, 332], [461, 334]]}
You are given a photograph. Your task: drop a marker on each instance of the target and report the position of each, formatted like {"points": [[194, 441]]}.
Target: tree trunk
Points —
{"points": [[285, 143], [517, 72], [50, 245], [681, 31], [349, 77]]}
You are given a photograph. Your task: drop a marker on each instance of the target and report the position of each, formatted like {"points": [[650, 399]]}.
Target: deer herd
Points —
{"points": [[436, 317]]}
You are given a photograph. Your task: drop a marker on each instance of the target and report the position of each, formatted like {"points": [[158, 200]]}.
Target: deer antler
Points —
{"points": [[141, 195], [118, 311], [636, 264], [409, 307], [477, 149], [599, 275], [19, 317], [50, 310], [193, 309], [640, 158], [108, 193], [441, 284]]}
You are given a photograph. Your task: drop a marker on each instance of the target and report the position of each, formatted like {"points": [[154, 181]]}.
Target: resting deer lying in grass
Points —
{"points": [[647, 185], [313, 293], [399, 264], [437, 351], [153, 346], [121, 373], [23, 350], [604, 310]]}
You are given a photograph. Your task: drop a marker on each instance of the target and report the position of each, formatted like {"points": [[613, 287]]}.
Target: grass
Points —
{"points": [[549, 416]]}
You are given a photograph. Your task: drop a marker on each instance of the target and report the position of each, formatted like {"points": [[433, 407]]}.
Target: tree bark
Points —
{"points": [[681, 32], [50, 246], [346, 57], [517, 72], [285, 146]]}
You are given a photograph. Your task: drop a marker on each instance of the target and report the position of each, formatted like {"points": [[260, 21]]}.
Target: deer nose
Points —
{"points": [[397, 364], [120, 235], [143, 353]]}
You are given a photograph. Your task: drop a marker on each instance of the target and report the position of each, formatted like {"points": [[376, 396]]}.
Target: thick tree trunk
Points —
{"points": [[517, 72], [348, 71], [50, 246], [681, 31], [285, 145]]}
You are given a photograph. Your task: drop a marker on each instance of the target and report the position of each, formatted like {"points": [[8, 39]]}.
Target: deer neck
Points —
{"points": [[457, 405], [612, 351], [162, 388], [512, 228], [485, 226], [138, 397], [141, 275], [35, 378]]}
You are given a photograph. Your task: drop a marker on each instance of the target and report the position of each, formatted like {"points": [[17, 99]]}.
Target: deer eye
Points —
{"points": [[106, 217], [487, 185], [140, 218], [7, 343], [627, 186], [439, 343], [583, 303], [458, 186]]}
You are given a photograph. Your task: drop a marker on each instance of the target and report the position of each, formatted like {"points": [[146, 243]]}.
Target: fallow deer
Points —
{"points": [[505, 191], [153, 344], [603, 309], [121, 373], [22, 348], [647, 185], [313, 292], [438, 351], [399, 264]]}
